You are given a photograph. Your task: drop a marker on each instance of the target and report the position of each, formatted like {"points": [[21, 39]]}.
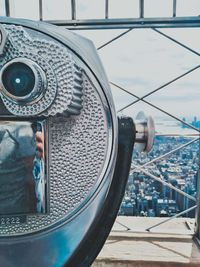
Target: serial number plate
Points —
{"points": [[7, 220]]}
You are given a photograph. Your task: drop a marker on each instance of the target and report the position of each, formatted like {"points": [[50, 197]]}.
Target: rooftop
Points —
{"points": [[170, 244]]}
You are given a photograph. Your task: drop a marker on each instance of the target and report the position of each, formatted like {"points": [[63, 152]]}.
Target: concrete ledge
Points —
{"points": [[163, 247]]}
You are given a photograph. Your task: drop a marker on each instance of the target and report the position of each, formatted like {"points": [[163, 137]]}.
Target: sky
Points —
{"points": [[142, 60]]}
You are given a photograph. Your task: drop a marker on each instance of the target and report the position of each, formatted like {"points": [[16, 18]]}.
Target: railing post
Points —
{"points": [[141, 8], [73, 6], [40, 10], [106, 9], [7, 7], [174, 8]]}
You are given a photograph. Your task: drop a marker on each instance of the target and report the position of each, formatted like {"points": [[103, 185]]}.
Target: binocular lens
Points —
{"points": [[18, 79]]}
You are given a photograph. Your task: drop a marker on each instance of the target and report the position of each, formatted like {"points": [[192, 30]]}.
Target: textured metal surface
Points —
{"points": [[64, 77], [96, 236], [77, 153]]}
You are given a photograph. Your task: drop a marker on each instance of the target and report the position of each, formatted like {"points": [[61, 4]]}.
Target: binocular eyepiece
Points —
{"points": [[22, 80]]}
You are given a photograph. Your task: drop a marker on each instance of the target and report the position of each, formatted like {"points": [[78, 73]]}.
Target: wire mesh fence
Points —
{"points": [[170, 193], [164, 183]]}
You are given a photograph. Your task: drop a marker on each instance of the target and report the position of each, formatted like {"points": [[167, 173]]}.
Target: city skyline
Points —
{"points": [[147, 197]]}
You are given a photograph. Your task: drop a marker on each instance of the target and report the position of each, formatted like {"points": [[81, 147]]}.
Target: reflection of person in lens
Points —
{"points": [[17, 186], [22, 183], [38, 171]]}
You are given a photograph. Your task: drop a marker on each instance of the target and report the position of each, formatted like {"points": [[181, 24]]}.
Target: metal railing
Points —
{"points": [[107, 22], [129, 24]]}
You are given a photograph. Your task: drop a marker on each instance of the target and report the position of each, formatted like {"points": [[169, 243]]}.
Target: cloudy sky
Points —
{"points": [[142, 60]]}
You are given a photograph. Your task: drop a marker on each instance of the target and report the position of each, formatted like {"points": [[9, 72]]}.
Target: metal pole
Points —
{"points": [[171, 218], [106, 9], [40, 10], [177, 42], [174, 8], [154, 106], [161, 87], [141, 8], [171, 134], [127, 228], [114, 39], [165, 183], [166, 154], [7, 7], [73, 6], [126, 23]]}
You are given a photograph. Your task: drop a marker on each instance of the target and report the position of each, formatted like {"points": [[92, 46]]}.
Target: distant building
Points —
{"points": [[148, 197]]}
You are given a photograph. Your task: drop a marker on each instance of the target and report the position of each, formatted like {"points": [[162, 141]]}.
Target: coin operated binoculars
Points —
{"points": [[64, 154]]}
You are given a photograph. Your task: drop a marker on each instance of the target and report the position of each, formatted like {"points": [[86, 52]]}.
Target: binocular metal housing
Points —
{"points": [[64, 154]]}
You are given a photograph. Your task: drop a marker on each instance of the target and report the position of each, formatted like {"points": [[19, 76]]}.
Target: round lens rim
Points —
{"points": [[39, 86], [18, 79]]}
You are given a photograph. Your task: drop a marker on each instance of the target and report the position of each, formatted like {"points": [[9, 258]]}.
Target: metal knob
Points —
{"points": [[145, 132]]}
